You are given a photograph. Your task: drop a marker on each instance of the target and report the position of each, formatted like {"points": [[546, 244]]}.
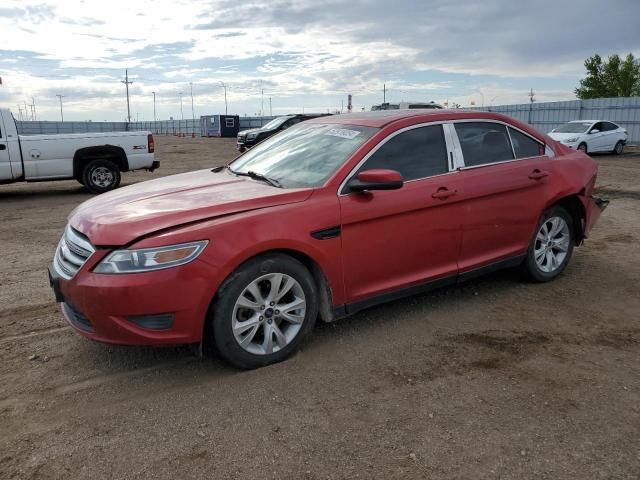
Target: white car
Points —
{"points": [[591, 136]]}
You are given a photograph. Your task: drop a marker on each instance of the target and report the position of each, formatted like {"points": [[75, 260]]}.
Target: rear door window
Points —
{"points": [[524, 145], [417, 153], [483, 143]]}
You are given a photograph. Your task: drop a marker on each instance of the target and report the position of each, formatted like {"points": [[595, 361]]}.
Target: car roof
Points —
{"points": [[586, 121], [381, 118]]}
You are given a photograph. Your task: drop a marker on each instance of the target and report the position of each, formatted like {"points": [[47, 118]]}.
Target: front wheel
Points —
{"points": [[551, 246], [263, 311], [583, 147], [100, 176]]}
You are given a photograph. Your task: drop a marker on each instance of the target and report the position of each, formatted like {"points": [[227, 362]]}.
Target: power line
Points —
{"points": [[127, 83]]}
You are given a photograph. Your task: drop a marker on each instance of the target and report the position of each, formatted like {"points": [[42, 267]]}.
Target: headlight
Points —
{"points": [[251, 136], [149, 259], [572, 139]]}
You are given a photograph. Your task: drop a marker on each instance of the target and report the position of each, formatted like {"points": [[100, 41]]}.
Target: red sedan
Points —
{"points": [[329, 217]]}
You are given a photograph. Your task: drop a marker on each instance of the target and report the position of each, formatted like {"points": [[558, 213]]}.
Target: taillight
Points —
{"points": [[151, 146]]}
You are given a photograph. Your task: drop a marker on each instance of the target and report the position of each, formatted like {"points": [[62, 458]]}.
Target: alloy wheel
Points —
{"points": [[269, 314], [552, 244]]}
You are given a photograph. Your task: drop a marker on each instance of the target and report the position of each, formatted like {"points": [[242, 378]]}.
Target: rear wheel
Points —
{"points": [[263, 311], [551, 246], [101, 175], [618, 149]]}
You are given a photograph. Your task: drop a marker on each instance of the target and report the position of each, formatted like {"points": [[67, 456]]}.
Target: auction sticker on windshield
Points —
{"points": [[343, 133]]}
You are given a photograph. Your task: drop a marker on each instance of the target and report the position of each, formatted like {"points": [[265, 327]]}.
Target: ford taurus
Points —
{"points": [[327, 218]]}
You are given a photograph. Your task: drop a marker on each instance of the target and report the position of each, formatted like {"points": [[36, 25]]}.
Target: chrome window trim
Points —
{"points": [[507, 125], [394, 134]]}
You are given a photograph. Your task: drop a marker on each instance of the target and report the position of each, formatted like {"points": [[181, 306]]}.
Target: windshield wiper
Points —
{"points": [[257, 176]]}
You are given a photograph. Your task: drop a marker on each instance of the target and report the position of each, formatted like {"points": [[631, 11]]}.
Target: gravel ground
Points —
{"points": [[493, 379]]}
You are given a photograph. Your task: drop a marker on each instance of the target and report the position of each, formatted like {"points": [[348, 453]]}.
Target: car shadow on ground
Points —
{"points": [[180, 360]]}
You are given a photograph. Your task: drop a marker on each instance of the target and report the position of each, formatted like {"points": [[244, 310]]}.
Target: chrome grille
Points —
{"points": [[74, 249]]}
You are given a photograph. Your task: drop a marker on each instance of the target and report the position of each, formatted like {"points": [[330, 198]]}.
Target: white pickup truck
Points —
{"points": [[93, 159]]}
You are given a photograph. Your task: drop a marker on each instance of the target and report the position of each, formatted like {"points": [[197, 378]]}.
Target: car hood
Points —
{"points": [[563, 136], [253, 130], [123, 215]]}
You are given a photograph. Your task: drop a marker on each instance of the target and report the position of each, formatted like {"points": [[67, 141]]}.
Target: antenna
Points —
{"points": [[127, 83]]}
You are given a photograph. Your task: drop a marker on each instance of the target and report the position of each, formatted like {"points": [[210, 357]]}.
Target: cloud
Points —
{"points": [[83, 21], [305, 53]]}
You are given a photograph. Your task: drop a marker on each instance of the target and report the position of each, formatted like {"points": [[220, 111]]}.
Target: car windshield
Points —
{"points": [[305, 155], [573, 127], [275, 123]]}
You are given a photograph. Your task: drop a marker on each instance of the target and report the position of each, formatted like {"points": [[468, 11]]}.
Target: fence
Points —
{"points": [[161, 127], [545, 116]]}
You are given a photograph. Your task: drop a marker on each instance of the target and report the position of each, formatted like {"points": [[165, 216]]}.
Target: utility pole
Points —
{"points": [[384, 93], [531, 96], [193, 114], [26, 110], [33, 106], [181, 111], [270, 109], [262, 102], [61, 116], [226, 109], [20, 111], [127, 83], [155, 118]]}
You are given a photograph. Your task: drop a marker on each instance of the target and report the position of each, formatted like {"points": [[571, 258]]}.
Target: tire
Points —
{"points": [[100, 176], [548, 255], [246, 296], [583, 147], [619, 148]]}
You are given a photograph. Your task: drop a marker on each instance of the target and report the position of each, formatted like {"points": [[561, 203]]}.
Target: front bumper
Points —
{"points": [[165, 307]]}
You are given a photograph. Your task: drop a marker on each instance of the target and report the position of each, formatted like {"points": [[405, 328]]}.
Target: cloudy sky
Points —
{"points": [[302, 54]]}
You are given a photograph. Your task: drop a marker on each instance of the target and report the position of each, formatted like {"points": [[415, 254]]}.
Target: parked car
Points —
{"points": [[591, 136], [249, 138], [327, 218], [94, 159]]}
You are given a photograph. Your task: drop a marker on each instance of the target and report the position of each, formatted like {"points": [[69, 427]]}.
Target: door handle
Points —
{"points": [[444, 193], [538, 174]]}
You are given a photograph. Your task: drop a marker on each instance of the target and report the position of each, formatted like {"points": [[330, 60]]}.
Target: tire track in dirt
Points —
{"points": [[89, 383]]}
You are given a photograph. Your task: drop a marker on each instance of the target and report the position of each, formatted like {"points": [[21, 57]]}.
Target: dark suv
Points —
{"points": [[249, 138]]}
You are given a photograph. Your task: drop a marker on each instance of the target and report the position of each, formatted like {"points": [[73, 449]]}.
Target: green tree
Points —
{"points": [[613, 77]]}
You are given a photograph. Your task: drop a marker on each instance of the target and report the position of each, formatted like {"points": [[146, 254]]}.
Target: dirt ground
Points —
{"points": [[493, 379]]}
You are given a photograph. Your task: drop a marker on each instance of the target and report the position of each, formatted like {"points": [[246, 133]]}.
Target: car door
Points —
{"points": [[504, 183], [401, 238], [597, 141], [611, 135], [5, 160]]}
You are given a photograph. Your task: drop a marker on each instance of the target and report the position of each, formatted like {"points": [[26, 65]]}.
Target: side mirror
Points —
{"points": [[376, 179], [594, 130], [553, 130]]}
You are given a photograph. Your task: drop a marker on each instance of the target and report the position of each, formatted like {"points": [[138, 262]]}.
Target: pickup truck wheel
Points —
{"points": [[551, 246], [263, 311], [101, 175]]}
